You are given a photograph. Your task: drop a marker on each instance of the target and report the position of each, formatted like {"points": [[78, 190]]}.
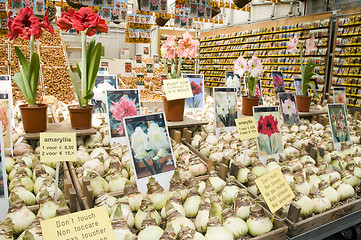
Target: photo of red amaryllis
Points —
{"points": [[267, 125], [196, 82], [196, 89], [87, 23], [26, 26]]}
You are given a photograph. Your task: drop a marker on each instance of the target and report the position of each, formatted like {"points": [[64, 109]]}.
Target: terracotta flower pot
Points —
{"points": [[34, 118], [303, 103], [81, 118], [248, 103], [174, 110]]}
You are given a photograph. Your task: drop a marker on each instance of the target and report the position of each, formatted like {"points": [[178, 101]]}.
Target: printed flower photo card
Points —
{"points": [[278, 82], [339, 95], [270, 141], [338, 122], [102, 84], [121, 103], [197, 85], [150, 149], [289, 108], [225, 108]]}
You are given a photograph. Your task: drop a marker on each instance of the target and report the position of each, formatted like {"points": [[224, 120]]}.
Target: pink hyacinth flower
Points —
{"points": [[310, 45]]}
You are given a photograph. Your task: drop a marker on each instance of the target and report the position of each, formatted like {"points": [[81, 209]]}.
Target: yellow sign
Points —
{"points": [[246, 128], [177, 89], [57, 147], [89, 224], [49, 99], [275, 189]]}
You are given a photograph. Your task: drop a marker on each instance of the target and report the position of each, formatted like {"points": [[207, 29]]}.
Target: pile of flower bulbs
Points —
{"points": [[30, 182], [311, 180], [195, 209]]}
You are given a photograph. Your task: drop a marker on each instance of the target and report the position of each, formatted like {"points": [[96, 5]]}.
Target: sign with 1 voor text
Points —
{"points": [[246, 128], [177, 89], [57, 147], [275, 189]]}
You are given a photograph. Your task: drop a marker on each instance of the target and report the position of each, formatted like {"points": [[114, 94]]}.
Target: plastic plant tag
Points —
{"points": [[338, 123]]}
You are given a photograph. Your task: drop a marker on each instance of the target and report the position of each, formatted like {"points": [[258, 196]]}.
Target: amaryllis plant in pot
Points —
{"points": [[303, 101], [252, 70], [186, 48], [26, 25], [86, 23]]}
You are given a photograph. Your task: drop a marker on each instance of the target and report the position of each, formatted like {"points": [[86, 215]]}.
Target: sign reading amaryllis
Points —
{"points": [[26, 26], [87, 23]]}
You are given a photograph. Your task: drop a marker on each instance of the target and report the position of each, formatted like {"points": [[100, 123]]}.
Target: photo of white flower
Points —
{"points": [[149, 143], [225, 106]]}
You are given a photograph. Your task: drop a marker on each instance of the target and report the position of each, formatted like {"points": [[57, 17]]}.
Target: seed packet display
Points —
{"points": [[3, 182], [121, 103], [128, 67], [156, 58], [177, 20], [269, 141], [278, 82], [144, 5], [115, 14], [225, 108], [140, 81], [106, 13], [39, 7], [289, 108], [146, 50], [298, 86], [150, 149], [197, 85], [339, 95], [5, 117], [102, 84], [338, 123], [149, 69]]}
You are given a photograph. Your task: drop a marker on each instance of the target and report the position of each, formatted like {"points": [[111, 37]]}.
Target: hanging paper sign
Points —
{"points": [[298, 86], [225, 108], [146, 50], [246, 128], [138, 58], [197, 85], [150, 148], [339, 95], [102, 84], [58, 147], [177, 89], [5, 117], [279, 85], [338, 123], [275, 189], [3, 182], [121, 103], [88, 224], [289, 108], [269, 142]]}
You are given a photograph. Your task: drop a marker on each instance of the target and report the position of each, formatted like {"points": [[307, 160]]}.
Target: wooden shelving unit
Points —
{"points": [[346, 64], [219, 49]]}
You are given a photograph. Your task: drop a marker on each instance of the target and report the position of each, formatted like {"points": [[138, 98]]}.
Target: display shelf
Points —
{"points": [[269, 44], [346, 60]]}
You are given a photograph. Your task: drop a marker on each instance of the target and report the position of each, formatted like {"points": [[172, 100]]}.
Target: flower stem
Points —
{"points": [[179, 67], [31, 45], [166, 68], [270, 145], [83, 69]]}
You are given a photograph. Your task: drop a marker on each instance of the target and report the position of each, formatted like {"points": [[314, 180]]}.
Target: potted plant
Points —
{"points": [[303, 101], [252, 70], [86, 23], [186, 48], [26, 26]]}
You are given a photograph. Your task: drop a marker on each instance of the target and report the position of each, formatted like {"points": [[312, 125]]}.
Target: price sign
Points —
{"points": [[246, 128], [49, 99], [57, 147], [275, 189], [89, 224], [177, 89]]}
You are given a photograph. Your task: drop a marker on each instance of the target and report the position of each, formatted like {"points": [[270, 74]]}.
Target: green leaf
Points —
{"points": [[313, 89], [78, 69], [148, 167], [161, 167], [90, 49], [76, 87], [22, 60], [34, 75], [89, 95], [93, 67], [18, 79], [27, 93]]}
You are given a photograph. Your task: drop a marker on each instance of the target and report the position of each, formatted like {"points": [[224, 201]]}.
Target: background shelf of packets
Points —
{"points": [[347, 58], [187, 64], [217, 53]]}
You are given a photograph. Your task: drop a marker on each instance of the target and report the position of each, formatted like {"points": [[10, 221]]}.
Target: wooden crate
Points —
{"points": [[69, 192], [297, 228]]}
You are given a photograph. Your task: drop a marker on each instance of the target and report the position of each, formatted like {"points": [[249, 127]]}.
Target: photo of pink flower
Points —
{"points": [[278, 82], [289, 108]]}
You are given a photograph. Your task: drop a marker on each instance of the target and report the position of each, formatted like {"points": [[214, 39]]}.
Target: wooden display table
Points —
{"points": [[186, 123], [59, 128]]}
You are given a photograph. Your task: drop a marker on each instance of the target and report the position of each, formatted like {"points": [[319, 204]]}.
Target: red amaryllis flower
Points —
{"points": [[25, 24], [66, 21], [196, 89], [85, 18], [268, 125]]}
